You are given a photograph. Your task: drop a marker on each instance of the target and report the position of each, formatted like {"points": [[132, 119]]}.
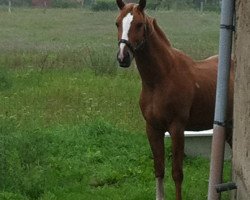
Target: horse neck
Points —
{"points": [[155, 59]]}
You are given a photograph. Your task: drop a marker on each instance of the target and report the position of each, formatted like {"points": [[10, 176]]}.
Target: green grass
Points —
{"points": [[75, 135], [70, 124], [89, 161], [70, 97]]}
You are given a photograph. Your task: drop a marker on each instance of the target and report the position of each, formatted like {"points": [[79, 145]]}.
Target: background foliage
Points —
{"points": [[211, 5]]}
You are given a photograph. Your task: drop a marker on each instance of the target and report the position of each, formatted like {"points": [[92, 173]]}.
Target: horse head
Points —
{"points": [[131, 26]]}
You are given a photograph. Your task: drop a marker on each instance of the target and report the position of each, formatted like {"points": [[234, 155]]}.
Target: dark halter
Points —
{"points": [[138, 46]]}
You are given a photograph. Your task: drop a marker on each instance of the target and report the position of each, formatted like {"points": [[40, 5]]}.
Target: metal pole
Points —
{"points": [[202, 7], [218, 141], [9, 6]]}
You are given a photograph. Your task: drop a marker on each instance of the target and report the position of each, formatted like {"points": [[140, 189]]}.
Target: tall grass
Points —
{"points": [[82, 38], [70, 97]]}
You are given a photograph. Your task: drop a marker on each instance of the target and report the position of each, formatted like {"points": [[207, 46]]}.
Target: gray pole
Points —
{"points": [[218, 142], [9, 6], [202, 7]]}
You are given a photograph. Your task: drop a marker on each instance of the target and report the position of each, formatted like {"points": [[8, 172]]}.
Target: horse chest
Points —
{"points": [[154, 109]]}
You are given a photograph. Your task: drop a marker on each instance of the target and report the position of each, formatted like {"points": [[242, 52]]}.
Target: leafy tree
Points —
{"points": [[16, 2]]}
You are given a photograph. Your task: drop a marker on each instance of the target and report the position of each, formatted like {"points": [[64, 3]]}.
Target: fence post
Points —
{"points": [[202, 7], [9, 6]]}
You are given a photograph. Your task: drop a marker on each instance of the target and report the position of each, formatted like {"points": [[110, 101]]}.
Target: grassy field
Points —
{"points": [[70, 125]]}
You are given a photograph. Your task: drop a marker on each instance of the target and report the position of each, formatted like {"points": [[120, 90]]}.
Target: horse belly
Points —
{"points": [[201, 115], [202, 110], [199, 125]]}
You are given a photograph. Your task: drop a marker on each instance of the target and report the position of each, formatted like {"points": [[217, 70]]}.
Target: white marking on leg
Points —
{"points": [[126, 23], [159, 188]]}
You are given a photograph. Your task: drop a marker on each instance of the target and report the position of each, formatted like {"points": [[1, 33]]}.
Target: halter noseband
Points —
{"points": [[130, 46], [134, 49]]}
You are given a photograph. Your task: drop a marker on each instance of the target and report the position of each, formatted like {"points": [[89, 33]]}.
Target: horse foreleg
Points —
{"points": [[177, 136], [159, 188], [156, 141]]}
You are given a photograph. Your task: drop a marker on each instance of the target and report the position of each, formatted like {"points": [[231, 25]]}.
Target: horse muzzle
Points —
{"points": [[126, 56], [125, 59]]}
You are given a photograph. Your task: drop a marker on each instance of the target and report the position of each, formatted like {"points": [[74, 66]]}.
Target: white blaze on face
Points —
{"points": [[126, 23]]}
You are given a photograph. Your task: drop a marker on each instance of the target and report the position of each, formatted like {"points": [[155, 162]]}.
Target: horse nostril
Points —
{"points": [[120, 57], [123, 57], [126, 54], [126, 58]]}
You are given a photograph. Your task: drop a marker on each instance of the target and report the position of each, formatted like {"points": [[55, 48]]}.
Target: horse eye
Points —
{"points": [[117, 24]]}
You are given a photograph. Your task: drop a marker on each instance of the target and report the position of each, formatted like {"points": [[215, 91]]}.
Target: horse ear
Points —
{"points": [[120, 4], [142, 4]]}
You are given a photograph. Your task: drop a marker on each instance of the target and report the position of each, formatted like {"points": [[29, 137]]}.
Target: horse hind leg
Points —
{"points": [[156, 141], [229, 136], [229, 132]]}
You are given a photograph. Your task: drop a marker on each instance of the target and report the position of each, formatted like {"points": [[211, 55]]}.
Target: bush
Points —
{"points": [[16, 2], [212, 7], [64, 4], [152, 5], [5, 79], [104, 5]]}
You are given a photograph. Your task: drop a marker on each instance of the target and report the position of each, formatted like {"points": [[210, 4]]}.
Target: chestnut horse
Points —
{"points": [[177, 94]]}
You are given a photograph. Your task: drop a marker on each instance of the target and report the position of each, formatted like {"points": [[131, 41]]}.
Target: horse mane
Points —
{"points": [[155, 27]]}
